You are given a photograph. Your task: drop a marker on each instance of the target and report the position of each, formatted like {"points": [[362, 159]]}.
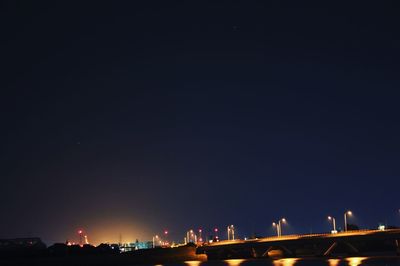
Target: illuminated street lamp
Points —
{"points": [[80, 233], [279, 226], [200, 237], [155, 238], [166, 237], [330, 218], [191, 236], [345, 219], [281, 221], [216, 234], [231, 232]]}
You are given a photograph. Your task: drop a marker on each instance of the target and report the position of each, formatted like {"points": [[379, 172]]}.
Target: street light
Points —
{"points": [[345, 219], [154, 240], [279, 226], [166, 237], [80, 233], [281, 221], [231, 232], [330, 218], [200, 237]]}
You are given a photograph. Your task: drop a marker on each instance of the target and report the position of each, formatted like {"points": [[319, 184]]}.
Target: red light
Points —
{"points": [[216, 229]]}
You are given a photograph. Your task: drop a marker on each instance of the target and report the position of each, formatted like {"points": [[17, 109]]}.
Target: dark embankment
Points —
{"points": [[74, 256]]}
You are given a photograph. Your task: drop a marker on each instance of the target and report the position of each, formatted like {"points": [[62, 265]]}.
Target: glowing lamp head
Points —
{"points": [[329, 218], [216, 230], [166, 232], [273, 224], [200, 230], [349, 213], [80, 232], [283, 220]]}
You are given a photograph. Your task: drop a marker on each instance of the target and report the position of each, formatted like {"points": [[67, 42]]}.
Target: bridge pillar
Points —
{"points": [[285, 251], [349, 248]]}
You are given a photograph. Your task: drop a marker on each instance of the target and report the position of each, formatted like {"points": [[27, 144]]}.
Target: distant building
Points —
{"points": [[135, 246], [143, 245]]}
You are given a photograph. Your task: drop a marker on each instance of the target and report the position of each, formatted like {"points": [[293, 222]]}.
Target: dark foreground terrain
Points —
{"points": [[145, 256]]}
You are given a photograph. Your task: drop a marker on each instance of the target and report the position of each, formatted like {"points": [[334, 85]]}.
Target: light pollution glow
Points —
{"points": [[112, 232]]}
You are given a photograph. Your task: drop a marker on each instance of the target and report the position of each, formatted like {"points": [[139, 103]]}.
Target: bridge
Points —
{"points": [[350, 243]]}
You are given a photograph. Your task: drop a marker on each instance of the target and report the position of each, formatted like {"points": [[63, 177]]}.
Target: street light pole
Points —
{"points": [[80, 232], [345, 219], [200, 238], [166, 237], [280, 227], [231, 232], [283, 220], [334, 223], [277, 228], [154, 240]]}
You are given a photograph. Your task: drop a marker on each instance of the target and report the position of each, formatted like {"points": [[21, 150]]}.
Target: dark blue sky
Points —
{"points": [[132, 118]]}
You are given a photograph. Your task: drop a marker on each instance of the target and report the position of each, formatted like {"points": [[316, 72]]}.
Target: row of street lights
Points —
{"points": [[331, 218], [282, 221], [192, 237]]}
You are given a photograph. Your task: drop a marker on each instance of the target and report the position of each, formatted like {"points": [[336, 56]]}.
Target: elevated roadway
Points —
{"points": [[350, 243]]}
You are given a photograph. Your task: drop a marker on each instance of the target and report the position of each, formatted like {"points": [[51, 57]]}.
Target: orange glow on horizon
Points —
{"points": [[109, 231]]}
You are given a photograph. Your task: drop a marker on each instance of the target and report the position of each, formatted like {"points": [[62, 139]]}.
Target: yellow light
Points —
{"points": [[283, 220], [349, 213], [285, 262], [356, 261], [333, 262], [193, 262], [234, 262]]}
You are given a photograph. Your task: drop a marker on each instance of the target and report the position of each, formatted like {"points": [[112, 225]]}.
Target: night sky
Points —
{"points": [[128, 118]]}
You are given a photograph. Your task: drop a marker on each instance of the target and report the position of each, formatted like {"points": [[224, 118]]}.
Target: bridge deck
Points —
{"points": [[307, 236]]}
